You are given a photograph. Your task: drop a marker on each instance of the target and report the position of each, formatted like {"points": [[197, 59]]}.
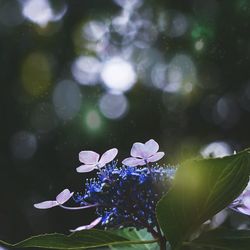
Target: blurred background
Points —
{"points": [[91, 74]]}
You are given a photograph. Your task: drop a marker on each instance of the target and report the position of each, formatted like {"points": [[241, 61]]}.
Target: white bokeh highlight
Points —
{"points": [[41, 12], [216, 149], [118, 75]]}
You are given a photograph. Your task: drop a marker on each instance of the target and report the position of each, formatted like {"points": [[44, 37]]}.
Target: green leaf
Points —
{"points": [[223, 239], [136, 235], [201, 189], [79, 240]]}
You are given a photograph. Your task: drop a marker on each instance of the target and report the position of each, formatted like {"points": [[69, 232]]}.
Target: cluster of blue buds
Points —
{"points": [[127, 196], [123, 196]]}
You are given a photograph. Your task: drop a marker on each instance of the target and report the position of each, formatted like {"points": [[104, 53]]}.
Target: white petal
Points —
{"points": [[88, 157], [138, 150], [108, 156], [64, 196], [151, 147], [91, 225], [86, 168], [156, 157], [133, 162], [243, 210], [96, 221], [46, 204]]}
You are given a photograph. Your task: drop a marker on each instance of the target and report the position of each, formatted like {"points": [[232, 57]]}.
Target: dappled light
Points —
{"points": [[98, 75], [41, 12]]}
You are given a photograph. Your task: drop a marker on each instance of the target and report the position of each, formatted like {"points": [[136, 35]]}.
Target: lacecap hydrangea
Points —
{"points": [[126, 195], [122, 195]]}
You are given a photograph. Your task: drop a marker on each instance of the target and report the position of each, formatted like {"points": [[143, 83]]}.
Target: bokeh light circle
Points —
{"points": [[41, 12], [118, 74], [36, 74], [113, 106], [93, 120], [67, 99], [85, 70]]}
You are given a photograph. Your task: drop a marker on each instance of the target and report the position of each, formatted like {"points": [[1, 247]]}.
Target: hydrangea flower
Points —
{"points": [[123, 196], [92, 160], [115, 186], [143, 153]]}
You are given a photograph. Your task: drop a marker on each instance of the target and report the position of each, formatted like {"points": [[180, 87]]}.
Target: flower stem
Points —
{"points": [[162, 243], [148, 166], [79, 208]]}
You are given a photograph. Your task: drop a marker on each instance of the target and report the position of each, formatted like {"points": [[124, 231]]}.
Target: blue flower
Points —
{"points": [[127, 196]]}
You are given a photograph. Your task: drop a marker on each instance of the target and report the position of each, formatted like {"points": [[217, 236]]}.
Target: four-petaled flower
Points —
{"points": [[61, 198], [143, 153], [91, 160]]}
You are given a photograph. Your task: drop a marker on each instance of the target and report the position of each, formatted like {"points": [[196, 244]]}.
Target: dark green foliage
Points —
{"points": [[201, 189], [224, 239], [80, 240]]}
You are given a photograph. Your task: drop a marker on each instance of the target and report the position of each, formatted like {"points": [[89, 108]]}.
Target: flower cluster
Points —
{"points": [[126, 196], [123, 196]]}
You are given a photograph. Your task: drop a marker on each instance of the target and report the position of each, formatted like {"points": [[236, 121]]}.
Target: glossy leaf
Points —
{"points": [[79, 240], [201, 189]]}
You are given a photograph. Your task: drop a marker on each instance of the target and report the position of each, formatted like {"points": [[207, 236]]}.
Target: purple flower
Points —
{"points": [[143, 153], [61, 198], [91, 160], [242, 203]]}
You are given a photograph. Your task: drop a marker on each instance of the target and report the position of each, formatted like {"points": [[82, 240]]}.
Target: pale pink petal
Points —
{"points": [[133, 162], [96, 222], [46, 204], [64, 196], [138, 150], [108, 156], [85, 227], [156, 157], [243, 210], [85, 168], [151, 147], [88, 157]]}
